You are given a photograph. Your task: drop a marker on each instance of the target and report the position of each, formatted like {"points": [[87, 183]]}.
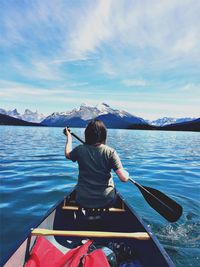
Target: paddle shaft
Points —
{"points": [[73, 134], [78, 138]]}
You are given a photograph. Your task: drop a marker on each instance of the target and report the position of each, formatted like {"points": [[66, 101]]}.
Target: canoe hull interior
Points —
{"points": [[66, 216]]}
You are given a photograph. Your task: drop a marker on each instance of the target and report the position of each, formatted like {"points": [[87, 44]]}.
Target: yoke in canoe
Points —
{"points": [[66, 225]]}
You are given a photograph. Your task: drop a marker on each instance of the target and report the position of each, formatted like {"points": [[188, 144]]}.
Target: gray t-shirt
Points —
{"points": [[95, 186]]}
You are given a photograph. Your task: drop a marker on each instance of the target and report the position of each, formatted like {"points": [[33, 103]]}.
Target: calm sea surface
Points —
{"points": [[35, 174]]}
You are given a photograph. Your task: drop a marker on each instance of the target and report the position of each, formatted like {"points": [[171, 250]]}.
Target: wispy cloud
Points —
{"points": [[64, 33], [134, 82], [91, 29], [191, 87], [36, 68], [14, 89], [108, 68]]}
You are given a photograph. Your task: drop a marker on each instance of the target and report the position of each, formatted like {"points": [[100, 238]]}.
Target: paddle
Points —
{"points": [[164, 205]]}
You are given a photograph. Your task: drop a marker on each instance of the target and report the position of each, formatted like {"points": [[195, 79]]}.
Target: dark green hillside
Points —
{"points": [[193, 126]]}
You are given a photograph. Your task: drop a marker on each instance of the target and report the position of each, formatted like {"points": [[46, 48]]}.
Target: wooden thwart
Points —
{"points": [[72, 206], [75, 208], [136, 235]]}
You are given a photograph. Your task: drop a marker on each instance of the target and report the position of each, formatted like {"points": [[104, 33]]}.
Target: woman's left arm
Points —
{"points": [[68, 146]]}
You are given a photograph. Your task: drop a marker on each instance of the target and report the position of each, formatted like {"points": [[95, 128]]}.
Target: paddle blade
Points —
{"points": [[164, 205]]}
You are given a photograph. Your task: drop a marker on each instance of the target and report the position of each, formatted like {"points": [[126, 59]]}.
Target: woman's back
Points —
{"points": [[95, 186]]}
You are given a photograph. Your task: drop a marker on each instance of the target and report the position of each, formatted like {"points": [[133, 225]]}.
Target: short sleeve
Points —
{"points": [[115, 161], [74, 154]]}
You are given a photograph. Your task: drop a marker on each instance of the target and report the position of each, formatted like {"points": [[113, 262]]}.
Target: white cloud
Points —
{"points": [[17, 90], [187, 43], [78, 84], [36, 69], [191, 87], [134, 82], [107, 68]]}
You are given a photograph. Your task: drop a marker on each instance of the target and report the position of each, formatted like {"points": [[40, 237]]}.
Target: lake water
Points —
{"points": [[35, 174]]}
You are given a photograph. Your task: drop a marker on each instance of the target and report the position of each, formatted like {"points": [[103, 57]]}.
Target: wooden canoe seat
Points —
{"points": [[71, 205]]}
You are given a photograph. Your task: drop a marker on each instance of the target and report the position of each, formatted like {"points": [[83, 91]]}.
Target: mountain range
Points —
{"points": [[168, 120], [28, 115], [113, 118]]}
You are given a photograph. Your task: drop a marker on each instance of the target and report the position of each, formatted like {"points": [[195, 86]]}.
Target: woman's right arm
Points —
{"points": [[122, 174], [116, 165]]}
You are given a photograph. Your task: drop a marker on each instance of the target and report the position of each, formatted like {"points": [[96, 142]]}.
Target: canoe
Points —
{"points": [[66, 225]]}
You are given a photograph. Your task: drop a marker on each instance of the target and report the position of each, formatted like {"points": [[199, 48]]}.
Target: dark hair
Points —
{"points": [[95, 132]]}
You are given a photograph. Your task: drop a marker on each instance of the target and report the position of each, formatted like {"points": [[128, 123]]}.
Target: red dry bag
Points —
{"points": [[43, 254], [79, 255]]}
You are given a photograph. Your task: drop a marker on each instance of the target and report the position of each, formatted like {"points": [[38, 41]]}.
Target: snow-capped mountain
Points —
{"points": [[13, 113], [167, 121], [28, 115], [80, 117], [3, 111], [32, 116]]}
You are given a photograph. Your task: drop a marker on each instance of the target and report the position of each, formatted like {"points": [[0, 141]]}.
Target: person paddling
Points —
{"points": [[96, 160]]}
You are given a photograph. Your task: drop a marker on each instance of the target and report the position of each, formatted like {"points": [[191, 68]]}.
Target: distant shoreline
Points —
{"points": [[191, 126], [136, 128]]}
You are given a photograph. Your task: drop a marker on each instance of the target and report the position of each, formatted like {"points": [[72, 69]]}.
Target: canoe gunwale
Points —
{"points": [[35, 225], [151, 234]]}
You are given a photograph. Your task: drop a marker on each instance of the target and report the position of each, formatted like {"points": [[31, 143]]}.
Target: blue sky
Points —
{"points": [[138, 55]]}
